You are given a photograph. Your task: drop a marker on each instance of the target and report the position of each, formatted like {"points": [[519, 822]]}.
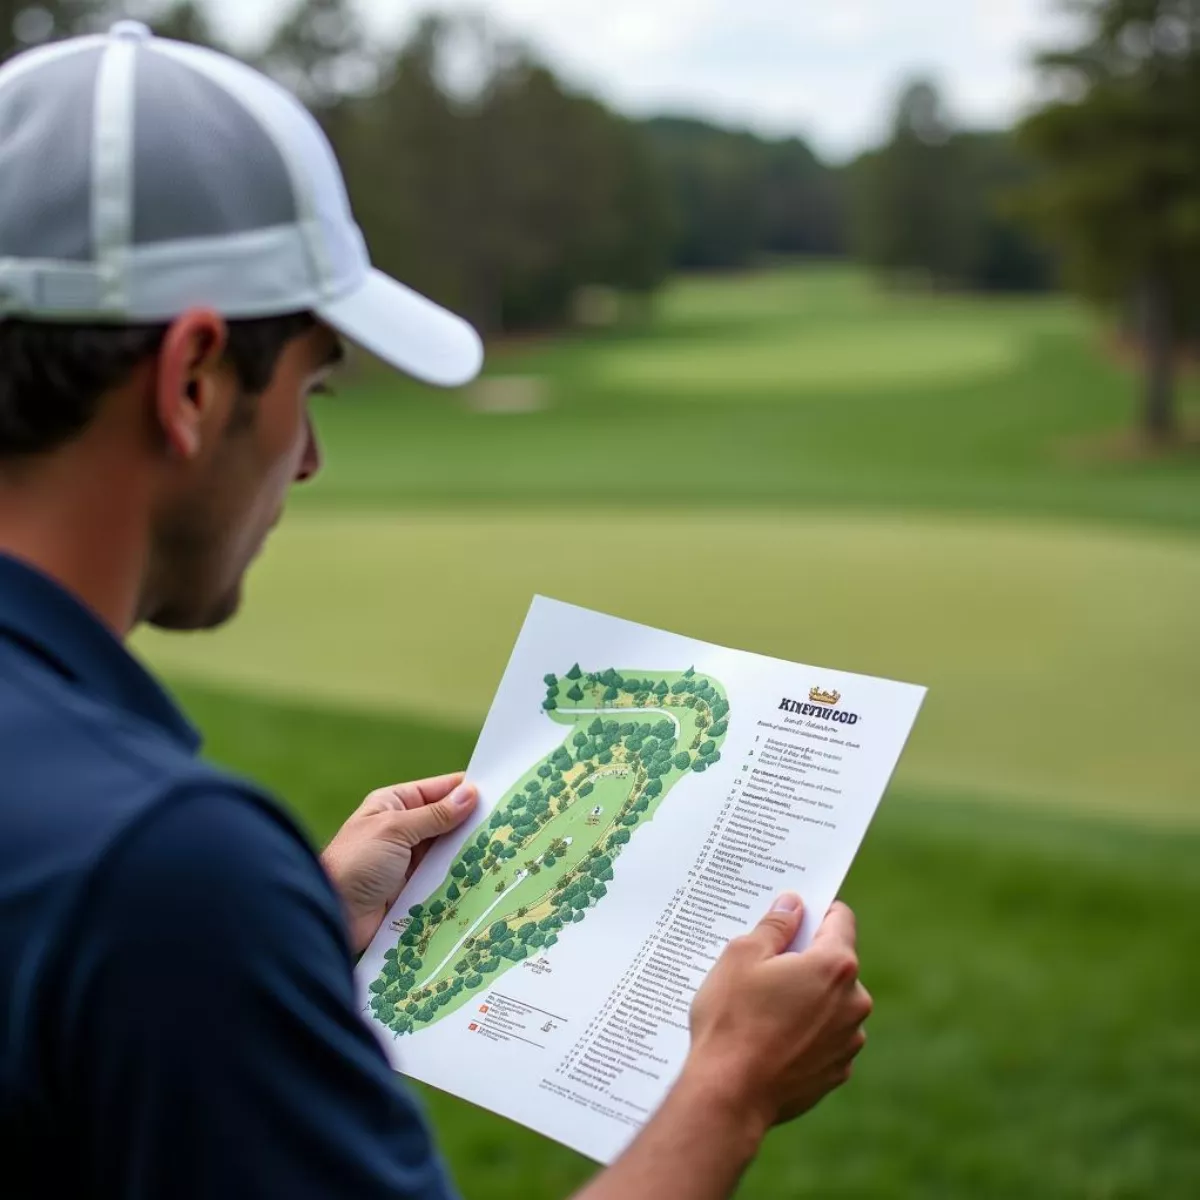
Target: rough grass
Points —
{"points": [[1036, 1030]]}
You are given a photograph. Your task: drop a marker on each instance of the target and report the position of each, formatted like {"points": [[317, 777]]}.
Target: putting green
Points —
{"points": [[1062, 661], [896, 353]]}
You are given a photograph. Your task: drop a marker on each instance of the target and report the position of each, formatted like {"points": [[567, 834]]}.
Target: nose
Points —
{"points": [[310, 463]]}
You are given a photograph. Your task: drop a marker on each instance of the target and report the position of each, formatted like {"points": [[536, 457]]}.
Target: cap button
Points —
{"points": [[132, 31]]}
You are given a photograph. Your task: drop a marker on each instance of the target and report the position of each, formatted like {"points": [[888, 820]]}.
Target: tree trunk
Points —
{"points": [[1158, 340]]}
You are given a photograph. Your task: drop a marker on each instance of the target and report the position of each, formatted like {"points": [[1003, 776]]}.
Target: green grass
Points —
{"points": [[1035, 979], [798, 388], [1061, 660], [800, 464]]}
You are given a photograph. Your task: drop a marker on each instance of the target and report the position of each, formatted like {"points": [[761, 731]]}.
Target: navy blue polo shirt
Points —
{"points": [[177, 1010]]}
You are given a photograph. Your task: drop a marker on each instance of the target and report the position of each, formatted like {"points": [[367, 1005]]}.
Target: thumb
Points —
{"points": [[416, 825], [778, 929]]}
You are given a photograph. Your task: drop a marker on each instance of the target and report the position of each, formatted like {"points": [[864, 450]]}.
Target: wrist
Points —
{"points": [[726, 1098]]}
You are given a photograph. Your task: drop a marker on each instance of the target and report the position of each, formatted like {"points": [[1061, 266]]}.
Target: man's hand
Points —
{"points": [[375, 852], [774, 1032]]}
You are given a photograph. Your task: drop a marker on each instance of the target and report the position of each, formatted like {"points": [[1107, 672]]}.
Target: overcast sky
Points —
{"points": [[827, 70]]}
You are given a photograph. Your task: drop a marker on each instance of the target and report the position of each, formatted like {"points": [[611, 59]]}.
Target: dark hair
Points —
{"points": [[53, 376]]}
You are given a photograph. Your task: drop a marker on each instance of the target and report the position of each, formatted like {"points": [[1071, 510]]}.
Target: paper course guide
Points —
{"points": [[644, 798]]}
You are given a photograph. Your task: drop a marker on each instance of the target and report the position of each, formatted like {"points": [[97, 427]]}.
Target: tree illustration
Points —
{"points": [[576, 693]]}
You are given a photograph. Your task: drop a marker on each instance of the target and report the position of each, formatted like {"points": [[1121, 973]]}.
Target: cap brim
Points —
{"points": [[407, 331]]}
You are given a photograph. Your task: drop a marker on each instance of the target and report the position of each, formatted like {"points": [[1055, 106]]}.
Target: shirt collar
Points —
{"points": [[49, 621]]}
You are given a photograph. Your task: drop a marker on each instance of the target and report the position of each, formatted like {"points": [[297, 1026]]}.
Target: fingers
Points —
{"points": [[863, 1004], [421, 823], [777, 930], [427, 791], [839, 926]]}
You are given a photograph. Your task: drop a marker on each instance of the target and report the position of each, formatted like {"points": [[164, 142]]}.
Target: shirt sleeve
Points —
{"points": [[208, 1040]]}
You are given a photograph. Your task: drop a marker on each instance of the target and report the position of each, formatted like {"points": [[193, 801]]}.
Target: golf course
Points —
{"points": [[937, 489]]}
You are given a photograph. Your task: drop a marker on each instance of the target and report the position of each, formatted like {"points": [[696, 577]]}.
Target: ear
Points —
{"points": [[188, 394]]}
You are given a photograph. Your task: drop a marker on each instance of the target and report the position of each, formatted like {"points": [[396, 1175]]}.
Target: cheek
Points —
{"points": [[284, 447]]}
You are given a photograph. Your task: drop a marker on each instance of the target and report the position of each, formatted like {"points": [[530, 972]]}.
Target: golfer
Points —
{"points": [[179, 267]]}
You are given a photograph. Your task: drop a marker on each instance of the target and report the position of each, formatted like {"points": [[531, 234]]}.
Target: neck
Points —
{"points": [[64, 516]]}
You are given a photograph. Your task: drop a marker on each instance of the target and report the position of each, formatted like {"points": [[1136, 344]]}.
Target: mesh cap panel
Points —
{"points": [[187, 131], [340, 257], [141, 177], [46, 132]]}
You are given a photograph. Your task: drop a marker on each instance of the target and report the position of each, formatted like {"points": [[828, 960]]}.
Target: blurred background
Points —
{"points": [[863, 335]]}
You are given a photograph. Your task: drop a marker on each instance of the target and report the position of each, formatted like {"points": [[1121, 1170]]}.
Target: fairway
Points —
{"points": [[1053, 654], [896, 353], [808, 389]]}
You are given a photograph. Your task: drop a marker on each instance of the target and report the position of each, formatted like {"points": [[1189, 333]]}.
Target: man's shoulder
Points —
{"points": [[79, 772], [54, 733], [96, 799]]}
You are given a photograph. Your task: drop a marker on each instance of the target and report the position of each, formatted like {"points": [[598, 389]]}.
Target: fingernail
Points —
{"points": [[788, 902], [463, 795]]}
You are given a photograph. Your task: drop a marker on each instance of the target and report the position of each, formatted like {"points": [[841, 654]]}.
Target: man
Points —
{"points": [[177, 1017]]}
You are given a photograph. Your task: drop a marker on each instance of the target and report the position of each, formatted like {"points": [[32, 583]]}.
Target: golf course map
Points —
{"points": [[550, 847]]}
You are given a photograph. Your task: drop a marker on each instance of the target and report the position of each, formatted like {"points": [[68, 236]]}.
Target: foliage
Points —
{"points": [[929, 203], [1119, 192]]}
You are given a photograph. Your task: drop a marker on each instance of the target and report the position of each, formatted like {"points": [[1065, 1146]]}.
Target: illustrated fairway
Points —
{"points": [[551, 843]]}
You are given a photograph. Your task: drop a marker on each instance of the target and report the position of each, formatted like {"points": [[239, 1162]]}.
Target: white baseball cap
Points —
{"points": [[141, 177]]}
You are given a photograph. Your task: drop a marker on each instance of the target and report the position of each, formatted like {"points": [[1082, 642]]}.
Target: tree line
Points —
{"points": [[510, 195], [526, 203]]}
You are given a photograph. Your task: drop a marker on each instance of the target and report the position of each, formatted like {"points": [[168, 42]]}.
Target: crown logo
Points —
{"points": [[828, 698]]}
